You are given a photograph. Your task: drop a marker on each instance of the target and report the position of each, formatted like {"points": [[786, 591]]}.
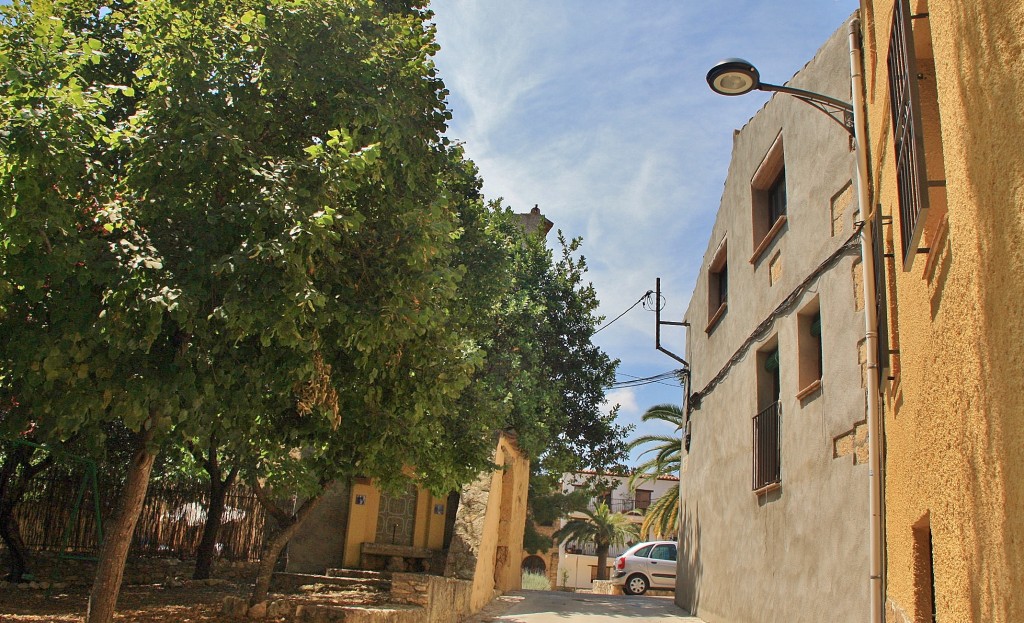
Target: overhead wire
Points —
{"points": [[636, 381], [643, 299]]}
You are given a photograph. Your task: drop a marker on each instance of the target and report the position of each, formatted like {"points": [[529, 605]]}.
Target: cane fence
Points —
{"points": [[170, 524]]}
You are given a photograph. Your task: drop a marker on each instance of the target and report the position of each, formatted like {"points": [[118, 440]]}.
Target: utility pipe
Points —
{"points": [[870, 324]]}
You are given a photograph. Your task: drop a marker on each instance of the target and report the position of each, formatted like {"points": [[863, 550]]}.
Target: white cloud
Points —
{"points": [[625, 398]]}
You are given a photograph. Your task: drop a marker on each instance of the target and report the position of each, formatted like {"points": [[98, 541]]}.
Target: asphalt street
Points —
{"points": [[561, 607]]}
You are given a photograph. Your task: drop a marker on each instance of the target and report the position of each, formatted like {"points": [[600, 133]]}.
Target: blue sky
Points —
{"points": [[599, 113]]}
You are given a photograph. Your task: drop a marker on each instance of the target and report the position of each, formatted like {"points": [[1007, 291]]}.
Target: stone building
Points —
{"points": [[945, 122], [774, 484]]}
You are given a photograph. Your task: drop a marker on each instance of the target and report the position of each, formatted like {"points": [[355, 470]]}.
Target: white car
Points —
{"points": [[646, 565]]}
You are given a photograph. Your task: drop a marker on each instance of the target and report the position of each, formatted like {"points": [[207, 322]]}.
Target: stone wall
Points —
{"points": [[47, 569], [446, 600]]}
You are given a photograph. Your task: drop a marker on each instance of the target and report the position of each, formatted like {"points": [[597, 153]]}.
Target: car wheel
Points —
{"points": [[636, 584]]}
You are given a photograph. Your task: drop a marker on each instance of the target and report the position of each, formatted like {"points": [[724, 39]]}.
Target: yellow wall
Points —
{"points": [[501, 539], [954, 420], [362, 520]]}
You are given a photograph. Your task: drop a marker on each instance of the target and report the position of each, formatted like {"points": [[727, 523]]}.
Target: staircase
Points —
{"points": [[374, 585]]}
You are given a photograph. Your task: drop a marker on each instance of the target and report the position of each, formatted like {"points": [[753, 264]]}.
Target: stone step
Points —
{"points": [[294, 609], [359, 573], [291, 582]]}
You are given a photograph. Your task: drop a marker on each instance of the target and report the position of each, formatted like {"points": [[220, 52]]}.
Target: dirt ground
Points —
{"points": [[140, 604]]}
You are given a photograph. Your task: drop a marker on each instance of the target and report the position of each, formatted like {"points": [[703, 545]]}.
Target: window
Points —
{"points": [[718, 286], [916, 123], [642, 498], [768, 196], [906, 128], [767, 421], [664, 552], [643, 552], [777, 199], [811, 356]]}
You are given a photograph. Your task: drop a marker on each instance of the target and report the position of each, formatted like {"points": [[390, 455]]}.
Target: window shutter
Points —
{"points": [[771, 364]]}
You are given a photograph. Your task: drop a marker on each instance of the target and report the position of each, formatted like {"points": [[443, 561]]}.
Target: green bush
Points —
{"points": [[535, 582]]}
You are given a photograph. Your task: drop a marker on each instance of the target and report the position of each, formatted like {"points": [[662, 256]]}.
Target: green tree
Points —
{"points": [[231, 216], [601, 527], [661, 517]]}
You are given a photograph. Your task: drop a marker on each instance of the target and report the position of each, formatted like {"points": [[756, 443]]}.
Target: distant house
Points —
{"points": [[577, 562], [774, 506]]}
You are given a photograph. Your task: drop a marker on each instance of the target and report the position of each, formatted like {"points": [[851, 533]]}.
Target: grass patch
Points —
{"points": [[535, 582]]}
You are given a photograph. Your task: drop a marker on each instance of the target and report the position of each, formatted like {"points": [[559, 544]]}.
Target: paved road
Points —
{"points": [[559, 607]]}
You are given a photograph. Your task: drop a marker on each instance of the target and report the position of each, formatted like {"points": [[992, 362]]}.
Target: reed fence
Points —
{"points": [[59, 514]]}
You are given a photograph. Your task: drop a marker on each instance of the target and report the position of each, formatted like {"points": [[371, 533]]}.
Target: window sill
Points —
{"points": [[768, 239], [768, 488], [716, 317], [810, 389]]}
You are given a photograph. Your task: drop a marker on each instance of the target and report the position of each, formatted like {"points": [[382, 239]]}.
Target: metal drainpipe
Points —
{"points": [[870, 325]]}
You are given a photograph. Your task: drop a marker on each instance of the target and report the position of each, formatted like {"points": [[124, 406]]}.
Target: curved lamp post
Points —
{"points": [[735, 76]]}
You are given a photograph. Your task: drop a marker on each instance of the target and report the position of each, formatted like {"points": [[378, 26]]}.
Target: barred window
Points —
{"points": [[907, 134]]}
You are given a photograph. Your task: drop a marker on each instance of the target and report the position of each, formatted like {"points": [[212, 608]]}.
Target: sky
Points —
{"points": [[599, 113]]}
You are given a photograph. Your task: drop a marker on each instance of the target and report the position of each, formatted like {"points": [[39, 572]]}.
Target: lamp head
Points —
{"points": [[733, 76]]}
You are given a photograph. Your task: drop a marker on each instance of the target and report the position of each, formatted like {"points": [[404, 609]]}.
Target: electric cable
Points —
{"points": [[647, 295], [636, 381]]}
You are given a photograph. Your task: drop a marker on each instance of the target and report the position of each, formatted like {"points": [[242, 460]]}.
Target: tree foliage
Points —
{"points": [[661, 517], [239, 220], [601, 527]]}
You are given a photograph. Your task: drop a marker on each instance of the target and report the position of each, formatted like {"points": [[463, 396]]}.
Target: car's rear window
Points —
{"points": [[644, 551]]}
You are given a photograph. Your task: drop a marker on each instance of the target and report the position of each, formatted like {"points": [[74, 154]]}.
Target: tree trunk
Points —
{"points": [[208, 544], [602, 562], [289, 524], [18, 553], [215, 511], [15, 475], [118, 537]]}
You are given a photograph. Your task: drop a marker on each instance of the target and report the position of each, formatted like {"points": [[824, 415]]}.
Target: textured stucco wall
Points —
{"points": [[487, 546], [320, 544], [798, 553], [953, 421]]}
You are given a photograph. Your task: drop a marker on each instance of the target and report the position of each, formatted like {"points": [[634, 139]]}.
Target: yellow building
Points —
{"points": [[475, 534], [945, 117]]}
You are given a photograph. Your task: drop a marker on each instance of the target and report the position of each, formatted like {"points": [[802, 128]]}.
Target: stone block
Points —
{"points": [[234, 606]]}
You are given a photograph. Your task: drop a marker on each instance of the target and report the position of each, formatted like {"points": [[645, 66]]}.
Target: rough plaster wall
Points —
{"points": [[954, 429], [799, 553], [321, 542], [474, 552], [469, 529]]}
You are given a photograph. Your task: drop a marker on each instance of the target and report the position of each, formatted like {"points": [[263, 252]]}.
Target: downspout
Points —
{"points": [[870, 325]]}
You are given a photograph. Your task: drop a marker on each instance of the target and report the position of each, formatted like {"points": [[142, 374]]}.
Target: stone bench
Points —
{"points": [[384, 556]]}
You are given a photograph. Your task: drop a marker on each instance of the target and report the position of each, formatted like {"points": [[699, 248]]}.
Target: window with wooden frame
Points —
{"points": [[768, 199], [718, 285], [811, 365]]}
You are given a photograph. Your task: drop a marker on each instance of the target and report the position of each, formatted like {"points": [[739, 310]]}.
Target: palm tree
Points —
{"points": [[601, 527], [662, 517]]}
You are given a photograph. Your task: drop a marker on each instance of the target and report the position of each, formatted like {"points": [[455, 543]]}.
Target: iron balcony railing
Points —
{"points": [[767, 446], [622, 504], [589, 549]]}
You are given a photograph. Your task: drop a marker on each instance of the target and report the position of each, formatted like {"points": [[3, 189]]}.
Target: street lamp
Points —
{"points": [[735, 76]]}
